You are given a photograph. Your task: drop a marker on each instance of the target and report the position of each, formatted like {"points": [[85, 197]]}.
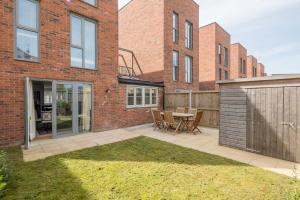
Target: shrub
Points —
{"points": [[3, 173]]}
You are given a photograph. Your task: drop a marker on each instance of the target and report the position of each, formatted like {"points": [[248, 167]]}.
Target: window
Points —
{"points": [[220, 74], [188, 69], [241, 66], [83, 42], [226, 57], [220, 53], [27, 30], [175, 27], [226, 75], [188, 35], [91, 2], [175, 65], [254, 72], [141, 96], [244, 67]]}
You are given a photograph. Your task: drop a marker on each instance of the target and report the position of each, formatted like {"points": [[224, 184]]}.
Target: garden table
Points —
{"points": [[183, 120]]}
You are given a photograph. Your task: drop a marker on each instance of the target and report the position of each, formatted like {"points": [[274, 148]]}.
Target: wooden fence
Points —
{"points": [[206, 101]]}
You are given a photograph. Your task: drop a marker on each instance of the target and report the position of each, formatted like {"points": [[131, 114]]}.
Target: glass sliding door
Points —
{"points": [[84, 108], [72, 108], [64, 108]]}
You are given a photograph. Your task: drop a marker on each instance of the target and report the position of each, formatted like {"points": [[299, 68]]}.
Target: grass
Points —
{"points": [[142, 168]]}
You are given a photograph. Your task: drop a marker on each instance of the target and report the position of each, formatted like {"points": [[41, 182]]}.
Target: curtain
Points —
{"points": [[31, 112]]}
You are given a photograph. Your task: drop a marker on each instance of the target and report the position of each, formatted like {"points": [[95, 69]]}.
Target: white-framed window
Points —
{"points": [[188, 35], [188, 69], [175, 32], [27, 30], [141, 96], [83, 42], [91, 2], [175, 64]]}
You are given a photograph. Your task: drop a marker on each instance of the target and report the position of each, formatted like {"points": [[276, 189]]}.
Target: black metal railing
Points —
{"points": [[128, 64]]}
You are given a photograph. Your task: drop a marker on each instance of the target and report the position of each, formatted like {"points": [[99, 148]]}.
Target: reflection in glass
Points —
{"points": [[90, 45], [27, 45], [147, 96], [84, 108], [64, 102], [76, 31], [130, 97], [27, 14], [139, 96], [76, 57]]}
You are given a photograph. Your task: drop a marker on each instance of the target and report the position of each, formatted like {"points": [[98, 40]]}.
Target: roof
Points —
{"points": [[265, 78], [133, 81]]}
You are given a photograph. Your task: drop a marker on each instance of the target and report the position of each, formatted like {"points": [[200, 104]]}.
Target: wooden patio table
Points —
{"points": [[183, 120]]}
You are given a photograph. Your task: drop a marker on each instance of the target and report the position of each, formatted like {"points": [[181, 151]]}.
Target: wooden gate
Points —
{"points": [[273, 122]]}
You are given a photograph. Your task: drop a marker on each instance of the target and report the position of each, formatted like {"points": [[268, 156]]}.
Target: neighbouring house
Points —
{"points": [[163, 35], [238, 61], [251, 67], [59, 71], [214, 56], [260, 70]]}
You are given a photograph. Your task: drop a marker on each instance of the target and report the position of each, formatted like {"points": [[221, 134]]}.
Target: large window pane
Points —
{"points": [[139, 96], [90, 45], [147, 96], [76, 31], [84, 108], [188, 69], [27, 45], [175, 65], [130, 96], [76, 57], [27, 13], [154, 96], [92, 2]]}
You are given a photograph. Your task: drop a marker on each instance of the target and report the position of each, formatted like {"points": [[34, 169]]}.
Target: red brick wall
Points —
{"points": [[251, 62], [210, 36], [55, 62], [238, 52], [146, 28], [260, 70], [187, 10]]}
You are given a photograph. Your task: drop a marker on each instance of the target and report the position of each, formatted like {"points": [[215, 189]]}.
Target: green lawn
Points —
{"points": [[142, 168]]}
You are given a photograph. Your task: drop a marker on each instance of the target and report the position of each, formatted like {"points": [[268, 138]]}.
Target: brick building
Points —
{"points": [[164, 37], [260, 69], [59, 71], [238, 61], [214, 56], [251, 66]]}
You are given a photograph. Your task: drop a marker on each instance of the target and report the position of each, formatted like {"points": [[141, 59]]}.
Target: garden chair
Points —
{"points": [[169, 121], [193, 125], [158, 120]]}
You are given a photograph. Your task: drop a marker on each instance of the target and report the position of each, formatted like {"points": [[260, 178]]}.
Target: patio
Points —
{"points": [[206, 142]]}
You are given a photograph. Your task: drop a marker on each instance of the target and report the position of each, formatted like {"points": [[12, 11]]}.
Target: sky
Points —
{"points": [[269, 29]]}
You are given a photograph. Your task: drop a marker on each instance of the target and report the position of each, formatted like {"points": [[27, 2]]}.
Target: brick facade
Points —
{"points": [[238, 59], [210, 36], [251, 65], [145, 27], [260, 69], [109, 97]]}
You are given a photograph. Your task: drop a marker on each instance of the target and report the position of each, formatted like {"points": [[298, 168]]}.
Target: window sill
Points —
{"points": [[25, 60], [81, 68], [141, 107]]}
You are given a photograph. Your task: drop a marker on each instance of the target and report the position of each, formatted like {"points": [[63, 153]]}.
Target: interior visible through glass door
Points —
{"points": [[84, 107], [64, 112]]}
